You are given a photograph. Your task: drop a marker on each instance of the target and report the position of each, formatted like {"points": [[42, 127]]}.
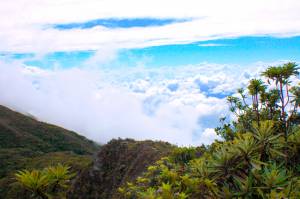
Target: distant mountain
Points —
{"points": [[28, 143], [116, 163]]}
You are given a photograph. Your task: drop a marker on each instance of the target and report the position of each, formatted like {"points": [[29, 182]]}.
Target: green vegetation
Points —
{"points": [[50, 182], [22, 132], [26, 143], [118, 162], [257, 158]]}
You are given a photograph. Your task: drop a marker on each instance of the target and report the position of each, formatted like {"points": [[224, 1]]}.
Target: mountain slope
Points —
{"points": [[17, 130], [28, 143]]}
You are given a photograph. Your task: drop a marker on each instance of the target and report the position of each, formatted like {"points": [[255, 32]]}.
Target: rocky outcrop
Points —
{"points": [[117, 162]]}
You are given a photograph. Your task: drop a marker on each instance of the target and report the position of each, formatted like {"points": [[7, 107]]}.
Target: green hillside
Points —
{"points": [[28, 143]]}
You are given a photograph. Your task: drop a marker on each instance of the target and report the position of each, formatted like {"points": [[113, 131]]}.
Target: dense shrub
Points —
{"points": [[258, 157]]}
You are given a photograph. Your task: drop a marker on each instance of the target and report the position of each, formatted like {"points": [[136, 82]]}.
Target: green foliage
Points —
{"points": [[118, 162], [184, 154], [20, 131], [26, 143], [258, 158], [35, 181], [47, 183]]}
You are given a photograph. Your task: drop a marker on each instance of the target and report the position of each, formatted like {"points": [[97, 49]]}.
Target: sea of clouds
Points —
{"points": [[181, 105], [176, 104]]}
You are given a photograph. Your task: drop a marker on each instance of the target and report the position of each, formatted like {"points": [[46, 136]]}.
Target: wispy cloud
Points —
{"points": [[25, 30]]}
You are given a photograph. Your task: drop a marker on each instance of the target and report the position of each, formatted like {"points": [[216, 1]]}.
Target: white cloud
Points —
{"points": [[102, 55], [104, 104], [24, 23], [208, 136], [172, 104], [82, 100]]}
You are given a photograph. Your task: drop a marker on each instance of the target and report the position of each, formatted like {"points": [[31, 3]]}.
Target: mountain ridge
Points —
{"points": [[26, 143]]}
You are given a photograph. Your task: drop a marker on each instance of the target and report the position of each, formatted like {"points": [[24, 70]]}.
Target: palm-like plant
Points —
{"points": [[294, 148], [201, 170], [47, 182], [181, 195], [245, 187], [247, 149], [58, 176], [273, 73], [34, 181], [290, 69], [226, 165], [268, 141], [150, 193], [255, 87], [280, 75], [272, 178], [294, 138], [166, 191]]}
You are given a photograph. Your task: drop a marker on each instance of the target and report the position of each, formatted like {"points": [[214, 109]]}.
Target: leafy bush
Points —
{"points": [[258, 157], [47, 183]]}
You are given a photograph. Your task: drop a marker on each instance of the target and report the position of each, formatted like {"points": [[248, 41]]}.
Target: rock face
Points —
{"points": [[117, 162]]}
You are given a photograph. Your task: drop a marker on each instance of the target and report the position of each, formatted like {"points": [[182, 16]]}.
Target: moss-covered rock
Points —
{"points": [[118, 162]]}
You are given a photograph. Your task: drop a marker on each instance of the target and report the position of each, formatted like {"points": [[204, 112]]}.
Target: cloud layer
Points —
{"points": [[176, 104], [180, 105]]}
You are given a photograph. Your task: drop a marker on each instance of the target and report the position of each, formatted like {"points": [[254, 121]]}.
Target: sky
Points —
{"points": [[139, 69]]}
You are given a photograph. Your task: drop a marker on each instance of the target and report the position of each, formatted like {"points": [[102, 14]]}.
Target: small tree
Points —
{"points": [[255, 88], [268, 103], [280, 75]]}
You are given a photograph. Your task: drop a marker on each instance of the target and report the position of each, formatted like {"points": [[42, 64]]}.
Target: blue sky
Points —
{"points": [[243, 50], [141, 69], [119, 23]]}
